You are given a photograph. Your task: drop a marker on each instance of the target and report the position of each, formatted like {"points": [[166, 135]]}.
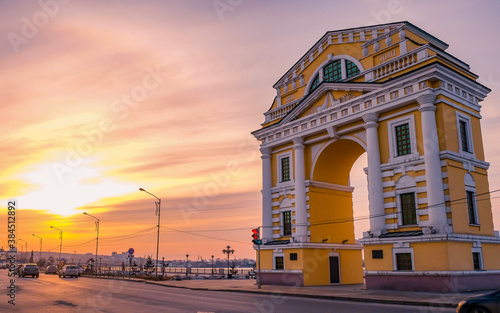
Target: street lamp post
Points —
{"points": [[212, 265], [40, 257], [60, 243], [187, 264], [26, 247], [158, 237], [228, 251], [97, 238]]}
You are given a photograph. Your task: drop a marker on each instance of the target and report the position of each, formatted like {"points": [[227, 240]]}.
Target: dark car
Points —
{"points": [[51, 269], [29, 269], [487, 303]]}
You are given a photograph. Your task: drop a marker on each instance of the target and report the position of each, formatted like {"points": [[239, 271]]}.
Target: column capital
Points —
{"points": [[370, 120], [265, 151], [298, 143], [426, 99]]}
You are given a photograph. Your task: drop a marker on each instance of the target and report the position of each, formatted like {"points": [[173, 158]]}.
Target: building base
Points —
{"points": [[443, 282], [288, 278]]}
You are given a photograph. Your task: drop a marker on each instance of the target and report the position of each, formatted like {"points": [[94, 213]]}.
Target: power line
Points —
{"points": [[204, 236]]}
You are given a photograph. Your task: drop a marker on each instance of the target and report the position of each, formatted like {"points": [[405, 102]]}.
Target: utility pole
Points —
{"points": [[60, 244]]}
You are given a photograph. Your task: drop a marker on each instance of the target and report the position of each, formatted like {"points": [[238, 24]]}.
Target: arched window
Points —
{"points": [[335, 71], [470, 195], [351, 69], [332, 72], [315, 83]]}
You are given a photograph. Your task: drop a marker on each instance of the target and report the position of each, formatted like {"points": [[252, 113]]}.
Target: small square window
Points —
{"points": [[457, 91], [295, 129], [313, 123], [344, 112], [368, 104], [293, 257], [287, 132], [380, 99], [377, 254], [278, 135], [408, 90], [355, 108], [333, 116], [304, 126], [394, 95], [323, 119], [403, 262], [422, 85]]}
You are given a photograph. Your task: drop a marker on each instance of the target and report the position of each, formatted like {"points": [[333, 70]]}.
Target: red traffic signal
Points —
{"points": [[256, 237]]}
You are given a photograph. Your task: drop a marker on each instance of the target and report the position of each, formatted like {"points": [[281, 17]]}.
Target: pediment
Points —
{"points": [[327, 96]]}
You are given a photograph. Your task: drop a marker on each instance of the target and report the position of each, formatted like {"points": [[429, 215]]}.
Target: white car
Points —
{"points": [[69, 270]]}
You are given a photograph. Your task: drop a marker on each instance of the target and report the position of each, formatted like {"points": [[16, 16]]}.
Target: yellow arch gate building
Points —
{"points": [[393, 92]]}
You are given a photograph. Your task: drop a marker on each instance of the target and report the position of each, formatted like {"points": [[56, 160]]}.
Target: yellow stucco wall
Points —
{"points": [[491, 256]]}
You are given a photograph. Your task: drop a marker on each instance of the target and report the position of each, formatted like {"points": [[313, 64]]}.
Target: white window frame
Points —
{"points": [[466, 119], [392, 124], [480, 251], [280, 156], [395, 261], [400, 209], [278, 254]]}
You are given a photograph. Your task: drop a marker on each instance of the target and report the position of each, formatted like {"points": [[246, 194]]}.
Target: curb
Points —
{"points": [[324, 297]]}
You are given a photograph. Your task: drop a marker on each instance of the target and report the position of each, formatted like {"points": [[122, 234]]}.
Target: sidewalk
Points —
{"points": [[339, 292]]}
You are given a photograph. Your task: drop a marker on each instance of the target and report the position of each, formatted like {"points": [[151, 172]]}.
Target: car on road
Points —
{"points": [[487, 303], [69, 270], [51, 269], [30, 269], [80, 270], [3, 265]]}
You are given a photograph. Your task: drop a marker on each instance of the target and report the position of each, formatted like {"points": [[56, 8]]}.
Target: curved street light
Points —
{"points": [[40, 257], [97, 238], [158, 237], [60, 243]]}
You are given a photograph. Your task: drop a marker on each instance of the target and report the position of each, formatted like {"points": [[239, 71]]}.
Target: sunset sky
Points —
{"points": [[100, 98]]}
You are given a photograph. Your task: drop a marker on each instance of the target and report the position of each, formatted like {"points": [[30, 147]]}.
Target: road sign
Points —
{"points": [[131, 251]]}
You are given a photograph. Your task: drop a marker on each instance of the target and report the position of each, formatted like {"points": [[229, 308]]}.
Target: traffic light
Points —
{"points": [[256, 236]]}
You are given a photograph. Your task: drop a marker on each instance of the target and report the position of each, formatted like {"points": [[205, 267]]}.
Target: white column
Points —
{"points": [[375, 189], [267, 208], [433, 174], [300, 191]]}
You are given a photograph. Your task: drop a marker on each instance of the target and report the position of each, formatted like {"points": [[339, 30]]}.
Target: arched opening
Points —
{"points": [[331, 192]]}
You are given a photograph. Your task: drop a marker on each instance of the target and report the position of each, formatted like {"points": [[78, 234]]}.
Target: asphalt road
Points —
{"points": [[49, 293]]}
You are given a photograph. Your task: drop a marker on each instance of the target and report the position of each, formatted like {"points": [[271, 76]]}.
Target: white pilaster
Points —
{"points": [[300, 191], [433, 173], [267, 209], [375, 188]]}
